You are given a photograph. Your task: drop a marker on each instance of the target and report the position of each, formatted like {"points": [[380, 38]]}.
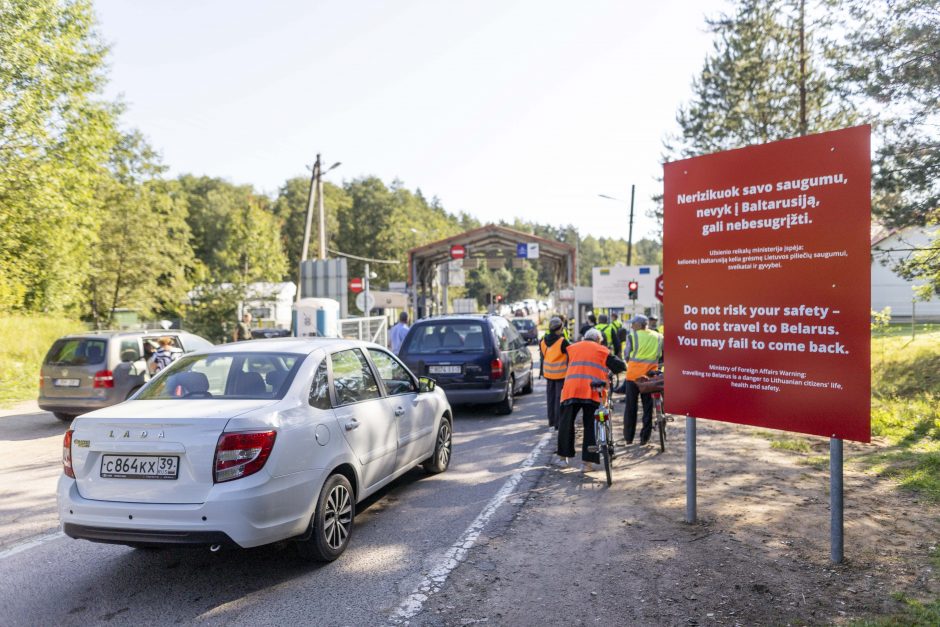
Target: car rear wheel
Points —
{"points": [[504, 407], [527, 388], [332, 523], [440, 460], [63, 417]]}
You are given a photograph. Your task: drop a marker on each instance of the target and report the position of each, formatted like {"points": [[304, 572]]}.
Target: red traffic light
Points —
{"points": [[633, 285], [633, 290]]}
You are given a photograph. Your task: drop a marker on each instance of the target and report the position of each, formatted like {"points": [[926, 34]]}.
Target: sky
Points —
{"points": [[499, 108]]}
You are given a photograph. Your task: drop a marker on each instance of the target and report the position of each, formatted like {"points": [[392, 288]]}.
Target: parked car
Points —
{"points": [[527, 329], [88, 371], [251, 443], [474, 358], [268, 333]]}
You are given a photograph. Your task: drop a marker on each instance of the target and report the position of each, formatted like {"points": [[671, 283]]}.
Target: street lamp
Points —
{"points": [[316, 187], [630, 234]]}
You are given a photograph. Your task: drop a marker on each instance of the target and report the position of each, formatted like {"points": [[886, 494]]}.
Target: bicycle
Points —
{"points": [[603, 438], [653, 385]]}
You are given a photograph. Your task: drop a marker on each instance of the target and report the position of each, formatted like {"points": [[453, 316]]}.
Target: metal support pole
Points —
{"points": [[690, 470], [314, 178], [365, 299], [322, 211], [630, 234], [836, 552]]}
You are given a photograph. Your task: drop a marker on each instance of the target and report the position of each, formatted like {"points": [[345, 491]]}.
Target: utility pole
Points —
{"points": [[314, 187], [322, 211], [630, 234]]}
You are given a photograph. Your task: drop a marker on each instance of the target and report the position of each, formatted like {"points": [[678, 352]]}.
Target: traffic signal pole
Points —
{"points": [[630, 234]]}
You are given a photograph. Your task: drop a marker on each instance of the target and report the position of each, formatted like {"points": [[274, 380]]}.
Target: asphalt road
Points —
{"points": [[406, 539]]}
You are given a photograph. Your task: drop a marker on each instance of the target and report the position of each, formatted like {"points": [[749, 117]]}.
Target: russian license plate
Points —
{"points": [[66, 383], [140, 466], [444, 369]]}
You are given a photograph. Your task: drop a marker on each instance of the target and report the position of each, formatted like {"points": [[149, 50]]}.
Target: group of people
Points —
{"points": [[569, 368]]}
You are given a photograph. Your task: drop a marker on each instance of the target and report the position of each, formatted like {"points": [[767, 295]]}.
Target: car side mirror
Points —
{"points": [[426, 384]]}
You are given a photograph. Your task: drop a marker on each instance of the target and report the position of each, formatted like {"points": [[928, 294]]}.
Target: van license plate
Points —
{"points": [[444, 369], [140, 466], [66, 383]]}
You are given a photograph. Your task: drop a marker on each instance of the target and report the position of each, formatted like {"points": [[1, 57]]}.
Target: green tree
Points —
{"points": [[56, 133], [290, 207], [768, 78], [893, 65], [143, 252], [235, 233]]}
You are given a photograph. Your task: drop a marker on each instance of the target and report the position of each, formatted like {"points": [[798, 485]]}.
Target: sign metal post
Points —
{"points": [[836, 553], [690, 470]]}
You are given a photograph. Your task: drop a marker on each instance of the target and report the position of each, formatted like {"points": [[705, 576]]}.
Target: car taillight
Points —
{"points": [[496, 369], [104, 379], [67, 454], [241, 454]]}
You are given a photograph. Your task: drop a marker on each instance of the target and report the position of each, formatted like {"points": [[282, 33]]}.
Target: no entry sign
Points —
{"points": [[355, 285], [767, 252], [457, 251]]}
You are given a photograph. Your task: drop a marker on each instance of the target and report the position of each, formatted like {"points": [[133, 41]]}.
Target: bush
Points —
{"points": [[25, 341]]}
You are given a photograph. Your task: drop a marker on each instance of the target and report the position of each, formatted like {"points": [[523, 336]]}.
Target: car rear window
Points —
{"points": [[225, 376], [447, 337], [77, 351], [524, 324]]}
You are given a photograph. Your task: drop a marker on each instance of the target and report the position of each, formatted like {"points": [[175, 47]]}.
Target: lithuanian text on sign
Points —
{"points": [[767, 252]]}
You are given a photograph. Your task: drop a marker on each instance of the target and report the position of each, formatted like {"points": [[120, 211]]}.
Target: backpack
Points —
{"points": [[161, 359]]}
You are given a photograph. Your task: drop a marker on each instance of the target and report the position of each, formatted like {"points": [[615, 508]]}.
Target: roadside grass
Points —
{"points": [[25, 340], [906, 411], [913, 614]]}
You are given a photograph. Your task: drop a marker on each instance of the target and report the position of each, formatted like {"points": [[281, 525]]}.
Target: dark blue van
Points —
{"points": [[474, 358]]}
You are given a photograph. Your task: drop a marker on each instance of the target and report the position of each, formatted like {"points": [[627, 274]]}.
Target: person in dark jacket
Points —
{"points": [[587, 326], [553, 350]]}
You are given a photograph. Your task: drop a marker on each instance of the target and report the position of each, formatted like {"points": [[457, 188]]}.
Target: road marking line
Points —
{"points": [[457, 553], [30, 544]]}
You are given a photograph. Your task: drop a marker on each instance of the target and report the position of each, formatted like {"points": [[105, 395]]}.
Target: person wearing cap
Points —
{"points": [[588, 361], [553, 349], [654, 324], [643, 351]]}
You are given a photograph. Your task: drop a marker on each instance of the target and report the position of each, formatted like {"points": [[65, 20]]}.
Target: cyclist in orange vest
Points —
{"points": [[554, 352], [588, 361]]}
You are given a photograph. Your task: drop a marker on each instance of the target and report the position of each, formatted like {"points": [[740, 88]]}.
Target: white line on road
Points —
{"points": [[37, 541], [457, 553]]}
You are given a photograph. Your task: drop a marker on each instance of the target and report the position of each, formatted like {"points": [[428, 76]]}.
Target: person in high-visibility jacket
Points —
{"points": [[643, 352], [588, 361], [553, 349], [609, 333]]}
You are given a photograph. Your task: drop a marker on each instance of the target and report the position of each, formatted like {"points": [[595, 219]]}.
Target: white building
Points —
{"points": [[888, 247]]}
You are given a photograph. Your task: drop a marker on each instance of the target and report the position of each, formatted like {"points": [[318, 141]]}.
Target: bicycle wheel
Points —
{"points": [[602, 440]]}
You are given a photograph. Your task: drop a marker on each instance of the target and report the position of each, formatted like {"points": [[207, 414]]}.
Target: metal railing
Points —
{"points": [[373, 329]]}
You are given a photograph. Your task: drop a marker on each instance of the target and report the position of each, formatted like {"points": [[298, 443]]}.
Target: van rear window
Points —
{"points": [[77, 351], [447, 337]]}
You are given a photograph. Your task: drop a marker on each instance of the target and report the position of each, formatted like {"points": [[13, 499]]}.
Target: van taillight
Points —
{"points": [[67, 454], [496, 369], [104, 379], [238, 455]]}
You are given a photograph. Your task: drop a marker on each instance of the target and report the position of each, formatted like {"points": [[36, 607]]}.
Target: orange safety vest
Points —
{"points": [[587, 362], [554, 362]]}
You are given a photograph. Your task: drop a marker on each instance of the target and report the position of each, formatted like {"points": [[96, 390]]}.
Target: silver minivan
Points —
{"points": [[88, 371]]}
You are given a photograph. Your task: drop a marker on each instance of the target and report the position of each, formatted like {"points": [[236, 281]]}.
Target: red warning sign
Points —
{"points": [[767, 252]]}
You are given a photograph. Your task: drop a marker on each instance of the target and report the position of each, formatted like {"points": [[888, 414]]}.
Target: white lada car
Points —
{"points": [[252, 443]]}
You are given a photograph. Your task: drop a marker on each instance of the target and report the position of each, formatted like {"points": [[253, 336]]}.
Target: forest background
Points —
{"points": [[90, 224]]}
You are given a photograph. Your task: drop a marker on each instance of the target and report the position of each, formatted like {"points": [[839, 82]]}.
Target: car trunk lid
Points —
{"points": [[133, 453]]}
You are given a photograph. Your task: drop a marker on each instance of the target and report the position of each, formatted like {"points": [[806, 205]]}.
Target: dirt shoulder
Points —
{"points": [[580, 553]]}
